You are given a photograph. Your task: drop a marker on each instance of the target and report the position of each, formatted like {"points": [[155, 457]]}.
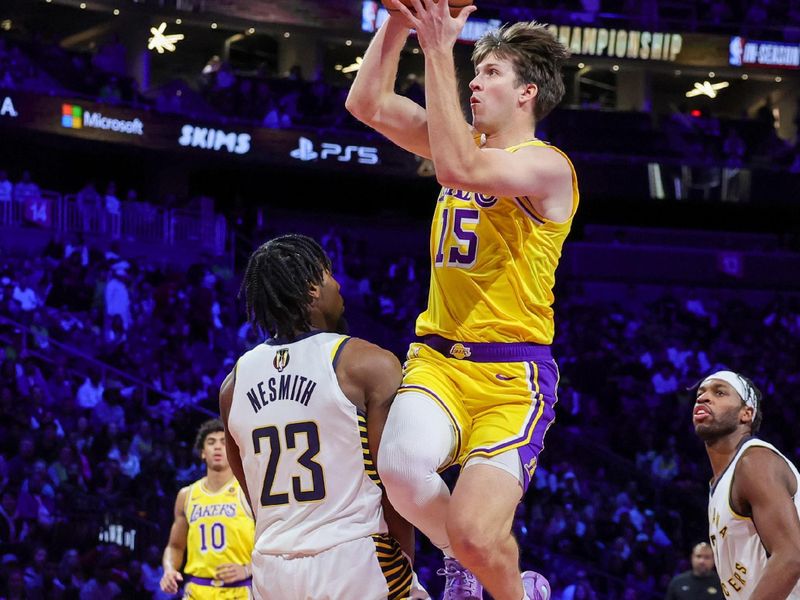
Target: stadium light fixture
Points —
{"points": [[707, 89], [161, 42], [352, 68]]}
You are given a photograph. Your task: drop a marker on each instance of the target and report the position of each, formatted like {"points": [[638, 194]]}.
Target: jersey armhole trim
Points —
{"points": [[245, 504], [187, 500], [336, 352]]}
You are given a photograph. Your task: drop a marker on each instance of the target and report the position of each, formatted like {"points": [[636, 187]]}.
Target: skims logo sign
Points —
{"points": [[214, 139]]}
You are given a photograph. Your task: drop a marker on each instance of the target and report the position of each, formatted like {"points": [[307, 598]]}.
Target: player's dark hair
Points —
{"points": [[278, 281], [206, 429], [755, 424]]}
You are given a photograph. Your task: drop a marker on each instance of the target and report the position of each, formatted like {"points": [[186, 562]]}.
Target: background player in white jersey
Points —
{"points": [[754, 503], [304, 413]]}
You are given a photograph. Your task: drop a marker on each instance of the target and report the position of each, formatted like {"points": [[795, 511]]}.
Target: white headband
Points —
{"points": [[737, 382]]}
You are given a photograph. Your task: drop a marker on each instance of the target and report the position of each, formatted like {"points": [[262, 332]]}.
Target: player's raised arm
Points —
{"points": [[764, 482], [373, 100]]}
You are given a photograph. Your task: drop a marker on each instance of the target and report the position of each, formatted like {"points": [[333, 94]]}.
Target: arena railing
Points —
{"points": [[135, 221], [29, 210]]}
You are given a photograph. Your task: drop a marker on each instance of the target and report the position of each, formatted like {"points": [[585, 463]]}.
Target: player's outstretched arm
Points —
{"points": [[231, 448], [372, 98], [764, 483], [173, 553]]}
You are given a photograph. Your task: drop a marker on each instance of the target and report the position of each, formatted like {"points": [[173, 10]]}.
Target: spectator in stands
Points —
{"points": [[111, 92], [101, 586], [6, 195], [152, 571], [275, 117], [34, 573], [766, 112], [113, 209], [579, 588], [117, 298], [26, 297], [90, 203], [733, 148], [91, 392], [719, 12], [755, 18], [109, 410], [111, 57], [664, 380], [26, 189], [699, 583], [665, 464], [36, 506], [129, 464], [14, 581], [8, 517], [29, 376]]}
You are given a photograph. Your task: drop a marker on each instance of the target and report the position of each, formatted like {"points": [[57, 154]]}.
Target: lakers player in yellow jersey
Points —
{"points": [[480, 386], [214, 526]]}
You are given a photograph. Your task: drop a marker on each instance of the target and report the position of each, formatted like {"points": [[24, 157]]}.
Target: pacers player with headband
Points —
{"points": [[480, 387], [754, 501], [214, 526]]}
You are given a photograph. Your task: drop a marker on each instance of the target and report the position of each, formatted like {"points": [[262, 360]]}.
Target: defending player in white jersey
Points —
{"points": [[304, 413], [754, 505]]}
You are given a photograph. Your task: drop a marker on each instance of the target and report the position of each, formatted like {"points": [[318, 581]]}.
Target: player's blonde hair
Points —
{"points": [[537, 57]]}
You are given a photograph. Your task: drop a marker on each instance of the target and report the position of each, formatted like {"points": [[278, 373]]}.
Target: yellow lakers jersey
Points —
{"points": [[493, 263], [221, 528]]}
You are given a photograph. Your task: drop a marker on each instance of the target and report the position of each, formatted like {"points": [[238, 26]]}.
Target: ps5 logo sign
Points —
{"points": [[366, 155]]}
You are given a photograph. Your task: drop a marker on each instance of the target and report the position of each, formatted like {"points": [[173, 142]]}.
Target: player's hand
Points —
{"points": [[436, 28], [231, 573], [169, 582], [396, 16]]}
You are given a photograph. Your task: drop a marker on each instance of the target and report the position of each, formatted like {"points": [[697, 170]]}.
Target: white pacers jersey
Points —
{"points": [[304, 448], [739, 555]]}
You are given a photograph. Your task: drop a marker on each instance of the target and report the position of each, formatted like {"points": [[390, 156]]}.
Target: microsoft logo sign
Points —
{"points": [[71, 116], [74, 117]]}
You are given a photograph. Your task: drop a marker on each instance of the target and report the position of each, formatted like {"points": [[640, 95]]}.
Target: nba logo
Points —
{"points": [[281, 359], [735, 51]]}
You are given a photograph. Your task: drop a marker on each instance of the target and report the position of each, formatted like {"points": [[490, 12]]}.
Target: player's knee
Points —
{"points": [[471, 543], [394, 464], [401, 470]]}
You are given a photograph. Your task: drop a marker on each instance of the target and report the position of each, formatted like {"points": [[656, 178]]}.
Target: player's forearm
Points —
{"points": [[172, 559], [779, 578], [376, 76], [452, 146]]}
